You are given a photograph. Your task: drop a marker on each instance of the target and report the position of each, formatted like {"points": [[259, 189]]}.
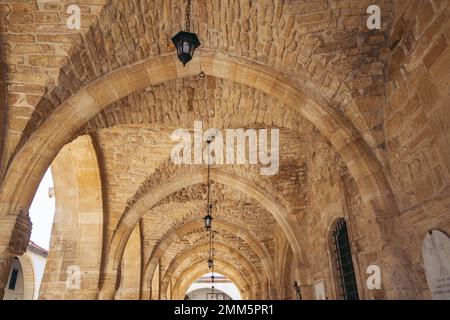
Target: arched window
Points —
{"points": [[341, 255], [15, 286]]}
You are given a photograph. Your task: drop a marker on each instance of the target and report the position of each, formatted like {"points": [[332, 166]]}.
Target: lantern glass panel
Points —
{"points": [[186, 47]]}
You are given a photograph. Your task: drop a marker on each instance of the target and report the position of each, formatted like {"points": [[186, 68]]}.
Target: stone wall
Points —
{"points": [[324, 46], [333, 194], [326, 203], [35, 43], [417, 123]]}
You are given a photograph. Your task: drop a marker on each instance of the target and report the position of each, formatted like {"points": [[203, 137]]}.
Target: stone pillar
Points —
{"points": [[306, 291], [15, 232], [109, 287], [384, 248], [397, 277], [5, 265], [274, 292], [163, 293], [304, 280]]}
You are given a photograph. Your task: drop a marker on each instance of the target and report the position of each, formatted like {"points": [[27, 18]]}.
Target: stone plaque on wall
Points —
{"points": [[319, 290], [436, 257]]}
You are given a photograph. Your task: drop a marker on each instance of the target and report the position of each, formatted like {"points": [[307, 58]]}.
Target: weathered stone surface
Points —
{"points": [[319, 48], [417, 121], [375, 152]]}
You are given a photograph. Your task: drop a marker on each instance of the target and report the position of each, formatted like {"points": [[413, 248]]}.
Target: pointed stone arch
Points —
{"points": [[203, 248], [171, 185], [176, 233], [64, 122], [199, 268], [245, 295], [29, 164]]}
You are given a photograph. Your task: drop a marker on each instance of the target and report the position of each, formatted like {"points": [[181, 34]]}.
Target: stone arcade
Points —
{"points": [[364, 154]]}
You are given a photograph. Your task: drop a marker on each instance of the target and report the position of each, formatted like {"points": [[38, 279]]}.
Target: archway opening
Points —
{"points": [[42, 211], [77, 226], [27, 270], [224, 289]]}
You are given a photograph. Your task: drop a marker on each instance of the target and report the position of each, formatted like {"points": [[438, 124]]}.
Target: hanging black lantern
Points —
{"points": [[186, 42], [210, 263], [208, 221]]}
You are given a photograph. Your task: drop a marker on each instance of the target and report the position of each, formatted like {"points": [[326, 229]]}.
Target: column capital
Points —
{"points": [[15, 232]]}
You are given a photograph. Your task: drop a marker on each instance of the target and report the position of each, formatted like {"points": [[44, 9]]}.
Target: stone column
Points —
{"points": [[384, 248], [5, 266], [274, 292], [15, 232], [163, 295], [397, 279], [109, 287]]}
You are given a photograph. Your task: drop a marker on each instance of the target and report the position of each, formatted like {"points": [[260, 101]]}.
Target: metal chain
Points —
{"points": [[208, 208], [188, 16]]}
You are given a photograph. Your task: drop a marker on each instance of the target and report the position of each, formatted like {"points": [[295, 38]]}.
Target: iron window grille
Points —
{"points": [[344, 261], [13, 280]]}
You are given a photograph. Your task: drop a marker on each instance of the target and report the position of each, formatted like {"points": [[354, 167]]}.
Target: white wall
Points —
{"points": [[39, 267]]}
